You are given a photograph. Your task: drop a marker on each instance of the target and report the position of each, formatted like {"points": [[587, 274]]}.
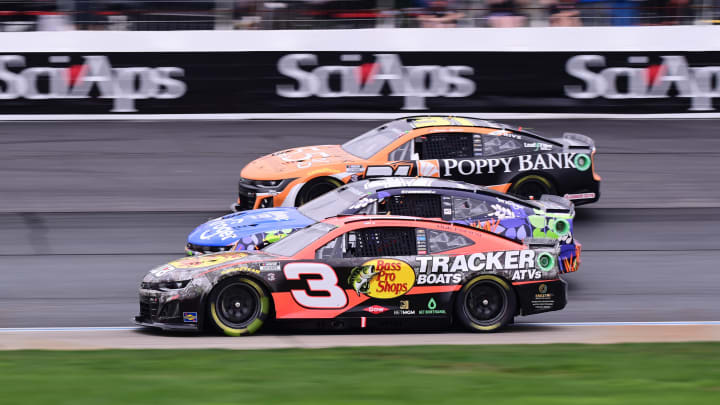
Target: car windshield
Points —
{"points": [[332, 203], [296, 241], [371, 142]]}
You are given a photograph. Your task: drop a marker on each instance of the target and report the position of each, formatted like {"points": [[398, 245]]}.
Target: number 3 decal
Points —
{"points": [[327, 283]]}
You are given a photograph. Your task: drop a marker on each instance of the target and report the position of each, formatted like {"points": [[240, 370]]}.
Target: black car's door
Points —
{"points": [[376, 265]]}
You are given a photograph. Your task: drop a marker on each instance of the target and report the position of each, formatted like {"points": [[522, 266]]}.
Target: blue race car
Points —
{"points": [[514, 218]]}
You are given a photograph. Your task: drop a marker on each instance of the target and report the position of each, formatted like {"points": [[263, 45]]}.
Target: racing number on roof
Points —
{"points": [[327, 283]]}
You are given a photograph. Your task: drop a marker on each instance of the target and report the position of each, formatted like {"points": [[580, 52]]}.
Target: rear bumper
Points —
{"points": [[585, 195], [541, 296]]}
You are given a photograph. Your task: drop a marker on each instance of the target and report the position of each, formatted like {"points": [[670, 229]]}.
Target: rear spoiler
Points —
{"points": [[533, 243], [578, 141], [555, 203]]}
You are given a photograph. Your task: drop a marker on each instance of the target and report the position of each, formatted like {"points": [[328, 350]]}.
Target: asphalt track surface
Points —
{"points": [[86, 208]]}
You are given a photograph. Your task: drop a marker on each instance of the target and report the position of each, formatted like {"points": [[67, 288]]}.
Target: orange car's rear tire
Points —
{"points": [[532, 186]]}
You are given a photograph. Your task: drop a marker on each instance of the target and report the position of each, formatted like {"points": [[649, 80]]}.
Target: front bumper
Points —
{"points": [[251, 196], [167, 310], [166, 326]]}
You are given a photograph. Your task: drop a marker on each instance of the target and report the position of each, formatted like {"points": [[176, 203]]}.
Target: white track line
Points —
{"points": [[126, 328], [336, 116]]}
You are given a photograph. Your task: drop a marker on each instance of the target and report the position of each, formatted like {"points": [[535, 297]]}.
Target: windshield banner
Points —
{"points": [[364, 82]]}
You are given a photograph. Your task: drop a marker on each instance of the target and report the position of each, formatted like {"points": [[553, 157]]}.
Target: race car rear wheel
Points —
{"points": [[532, 186], [239, 307], [486, 303], [315, 188]]}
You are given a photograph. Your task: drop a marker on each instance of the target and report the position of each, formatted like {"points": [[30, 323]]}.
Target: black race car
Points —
{"points": [[358, 272]]}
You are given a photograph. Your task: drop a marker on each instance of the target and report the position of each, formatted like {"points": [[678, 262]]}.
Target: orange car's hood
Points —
{"points": [[295, 162]]}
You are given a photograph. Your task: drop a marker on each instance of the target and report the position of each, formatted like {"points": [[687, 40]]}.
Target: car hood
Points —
{"points": [[193, 266], [292, 163], [237, 226]]}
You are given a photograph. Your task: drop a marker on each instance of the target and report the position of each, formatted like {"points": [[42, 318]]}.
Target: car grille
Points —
{"points": [[148, 307], [246, 200]]}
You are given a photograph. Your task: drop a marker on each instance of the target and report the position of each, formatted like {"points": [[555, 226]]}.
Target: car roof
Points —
{"points": [[376, 184], [406, 123], [341, 221]]}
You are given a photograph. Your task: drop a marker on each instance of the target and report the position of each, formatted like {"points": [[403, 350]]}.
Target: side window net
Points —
{"points": [[465, 207], [496, 145], [374, 242], [441, 241], [445, 146], [415, 205]]}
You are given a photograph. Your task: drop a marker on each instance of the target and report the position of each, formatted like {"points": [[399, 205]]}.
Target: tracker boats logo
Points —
{"points": [[413, 83], [642, 80], [122, 85]]}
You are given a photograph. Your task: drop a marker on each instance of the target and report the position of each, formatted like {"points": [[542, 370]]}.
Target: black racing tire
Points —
{"points": [[486, 304], [532, 185], [315, 188], [238, 307]]}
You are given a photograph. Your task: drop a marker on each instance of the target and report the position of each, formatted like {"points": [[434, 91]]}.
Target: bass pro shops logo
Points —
{"points": [[642, 80], [382, 278], [122, 85], [413, 83]]}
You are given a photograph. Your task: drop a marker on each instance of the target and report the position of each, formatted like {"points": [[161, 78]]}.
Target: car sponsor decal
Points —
{"points": [[504, 132], [270, 266], [162, 270], [581, 196], [432, 309], [451, 270], [537, 146], [543, 300], [195, 262], [354, 168], [239, 269], [304, 157], [376, 309], [428, 168], [382, 278], [190, 317], [524, 163]]}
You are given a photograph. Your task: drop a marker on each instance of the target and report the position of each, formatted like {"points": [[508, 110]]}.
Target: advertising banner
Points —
{"points": [[358, 82]]}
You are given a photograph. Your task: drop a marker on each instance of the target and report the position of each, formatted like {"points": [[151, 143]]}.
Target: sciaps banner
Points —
{"points": [[358, 81]]}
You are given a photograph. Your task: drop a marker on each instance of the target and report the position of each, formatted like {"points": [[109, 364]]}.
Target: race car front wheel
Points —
{"points": [[315, 188], [532, 186], [239, 307], [485, 304]]}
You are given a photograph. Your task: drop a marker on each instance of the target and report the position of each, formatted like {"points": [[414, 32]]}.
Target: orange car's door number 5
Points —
{"points": [[334, 296]]}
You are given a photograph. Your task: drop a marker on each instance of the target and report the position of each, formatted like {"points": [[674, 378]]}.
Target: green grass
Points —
{"points": [[543, 374]]}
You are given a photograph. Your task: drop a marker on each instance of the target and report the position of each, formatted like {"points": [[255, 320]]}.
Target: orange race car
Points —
{"points": [[459, 148]]}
